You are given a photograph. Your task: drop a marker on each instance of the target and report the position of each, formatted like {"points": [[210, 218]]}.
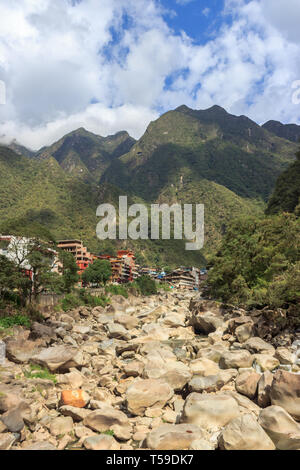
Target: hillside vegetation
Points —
{"points": [[258, 263]]}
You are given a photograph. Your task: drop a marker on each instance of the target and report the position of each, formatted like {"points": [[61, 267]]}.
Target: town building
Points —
{"points": [[123, 266], [184, 278], [82, 256]]}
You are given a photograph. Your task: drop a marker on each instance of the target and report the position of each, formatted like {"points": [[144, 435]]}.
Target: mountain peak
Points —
{"points": [[286, 131]]}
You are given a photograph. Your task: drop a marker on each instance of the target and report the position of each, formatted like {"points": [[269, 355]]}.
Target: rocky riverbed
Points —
{"points": [[166, 372]]}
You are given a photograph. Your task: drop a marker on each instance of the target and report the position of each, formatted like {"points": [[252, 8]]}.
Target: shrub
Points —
{"points": [[145, 285], [13, 320], [258, 263], [117, 290], [81, 298]]}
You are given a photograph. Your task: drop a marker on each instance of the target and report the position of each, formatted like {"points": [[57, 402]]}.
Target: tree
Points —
{"points": [[69, 270], [146, 285], [13, 279], [97, 273], [42, 277]]}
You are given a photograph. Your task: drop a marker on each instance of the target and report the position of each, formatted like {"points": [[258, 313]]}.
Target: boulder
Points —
{"points": [[265, 362], [173, 437], [115, 330], [210, 412], [204, 367], [14, 418], [244, 332], [129, 322], [281, 428], [101, 442], [77, 414], [177, 375], [133, 368], [236, 359], [20, 349], [285, 392], [258, 345], [214, 353], [246, 383], [61, 425], [284, 356], [143, 394], [244, 403], [6, 440], [210, 383], [107, 418], [206, 323], [59, 357], [244, 433], [74, 379], [42, 445], [263, 389]]}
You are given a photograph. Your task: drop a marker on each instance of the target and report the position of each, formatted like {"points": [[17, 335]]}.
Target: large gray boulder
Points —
{"points": [[106, 418], [281, 428], [59, 357], [173, 437], [285, 392], [236, 359], [143, 394], [210, 412], [244, 433]]}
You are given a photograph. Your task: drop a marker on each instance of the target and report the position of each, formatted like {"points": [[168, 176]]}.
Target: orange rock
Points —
{"points": [[76, 398]]}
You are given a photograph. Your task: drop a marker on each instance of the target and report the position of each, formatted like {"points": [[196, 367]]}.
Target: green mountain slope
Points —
{"points": [[286, 131], [82, 153], [286, 196], [187, 146]]}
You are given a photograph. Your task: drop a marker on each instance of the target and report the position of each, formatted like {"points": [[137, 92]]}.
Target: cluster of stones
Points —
{"points": [[166, 372]]}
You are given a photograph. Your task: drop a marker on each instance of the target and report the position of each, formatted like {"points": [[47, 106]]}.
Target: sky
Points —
{"points": [[111, 65]]}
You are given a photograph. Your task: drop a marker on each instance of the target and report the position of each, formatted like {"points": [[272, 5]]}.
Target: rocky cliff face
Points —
{"points": [[164, 372]]}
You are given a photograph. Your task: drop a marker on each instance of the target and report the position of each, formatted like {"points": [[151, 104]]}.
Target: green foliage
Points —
{"points": [[164, 286], [286, 196], [15, 320], [38, 372], [14, 285], [258, 262], [70, 301], [40, 260], [69, 270], [109, 432], [97, 273], [145, 285], [80, 298], [116, 290]]}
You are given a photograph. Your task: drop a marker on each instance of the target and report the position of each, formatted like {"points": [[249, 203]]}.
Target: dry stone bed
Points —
{"points": [[167, 372]]}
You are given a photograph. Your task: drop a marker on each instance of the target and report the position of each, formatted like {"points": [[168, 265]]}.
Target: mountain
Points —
{"points": [[186, 146], [226, 162], [286, 131], [82, 153], [21, 150], [286, 196]]}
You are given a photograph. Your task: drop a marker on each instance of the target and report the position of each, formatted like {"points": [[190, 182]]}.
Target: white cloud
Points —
{"points": [[56, 58]]}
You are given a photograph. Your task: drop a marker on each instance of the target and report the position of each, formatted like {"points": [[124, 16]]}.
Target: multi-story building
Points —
{"points": [[123, 266], [82, 256]]}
